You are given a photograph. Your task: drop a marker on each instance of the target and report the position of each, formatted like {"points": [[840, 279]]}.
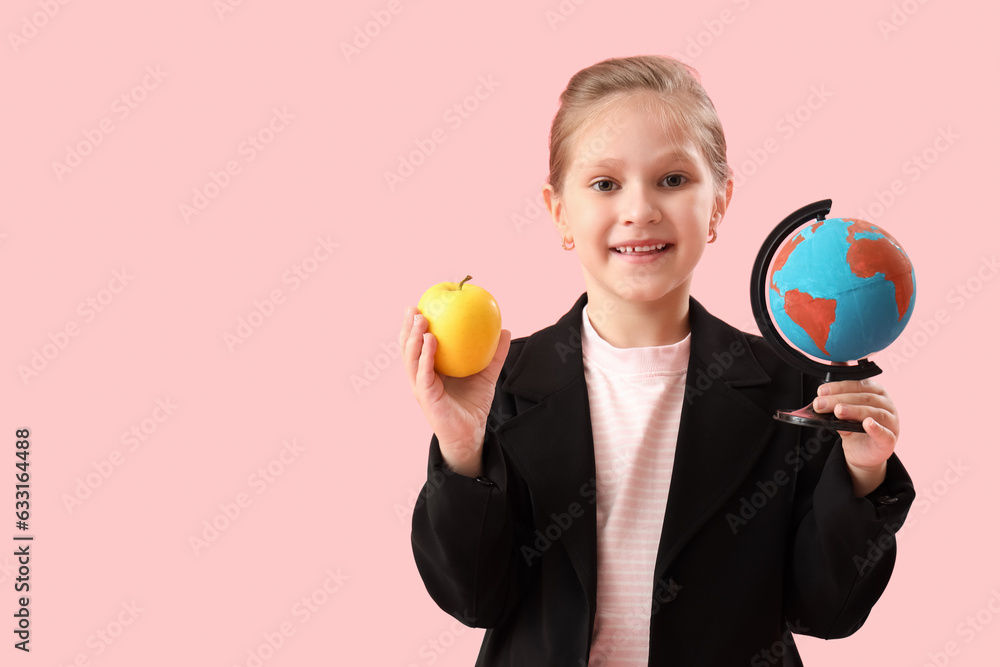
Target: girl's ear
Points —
{"points": [[555, 206], [720, 206]]}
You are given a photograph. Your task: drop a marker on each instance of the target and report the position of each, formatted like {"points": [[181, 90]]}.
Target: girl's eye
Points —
{"points": [[603, 185], [674, 180]]}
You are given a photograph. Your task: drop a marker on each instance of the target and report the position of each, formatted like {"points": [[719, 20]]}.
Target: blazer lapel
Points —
{"points": [[721, 432], [552, 443]]}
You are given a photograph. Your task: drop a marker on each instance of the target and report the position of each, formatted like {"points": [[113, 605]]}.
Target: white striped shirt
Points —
{"points": [[635, 398]]}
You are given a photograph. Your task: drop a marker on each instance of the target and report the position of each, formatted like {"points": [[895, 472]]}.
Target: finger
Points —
{"points": [[850, 386], [413, 347], [425, 367], [860, 413], [503, 345], [404, 332], [879, 433], [827, 403]]}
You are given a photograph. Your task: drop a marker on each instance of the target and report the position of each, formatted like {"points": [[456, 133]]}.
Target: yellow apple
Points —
{"points": [[465, 319]]}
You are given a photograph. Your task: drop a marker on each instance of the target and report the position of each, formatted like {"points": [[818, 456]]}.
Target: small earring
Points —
{"points": [[714, 236], [565, 247]]}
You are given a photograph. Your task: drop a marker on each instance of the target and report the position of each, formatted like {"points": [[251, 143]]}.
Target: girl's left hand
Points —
{"points": [[866, 453]]}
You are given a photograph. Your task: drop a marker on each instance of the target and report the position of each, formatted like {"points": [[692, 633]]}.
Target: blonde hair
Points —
{"points": [[592, 90]]}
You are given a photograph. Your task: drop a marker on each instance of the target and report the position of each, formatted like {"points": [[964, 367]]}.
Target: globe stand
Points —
{"points": [[804, 416], [808, 417]]}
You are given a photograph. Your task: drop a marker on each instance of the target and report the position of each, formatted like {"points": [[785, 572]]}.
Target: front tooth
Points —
{"points": [[646, 248]]}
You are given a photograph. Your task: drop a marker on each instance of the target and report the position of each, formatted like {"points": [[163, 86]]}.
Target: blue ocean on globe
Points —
{"points": [[841, 289]]}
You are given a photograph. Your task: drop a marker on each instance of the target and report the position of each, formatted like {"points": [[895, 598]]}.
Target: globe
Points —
{"points": [[841, 289], [828, 291]]}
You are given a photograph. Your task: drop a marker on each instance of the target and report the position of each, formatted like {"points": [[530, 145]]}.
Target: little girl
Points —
{"points": [[613, 489]]}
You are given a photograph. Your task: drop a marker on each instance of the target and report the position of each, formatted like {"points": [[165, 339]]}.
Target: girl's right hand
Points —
{"points": [[457, 409]]}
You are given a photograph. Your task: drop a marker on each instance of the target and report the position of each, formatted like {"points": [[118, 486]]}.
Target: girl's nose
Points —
{"points": [[639, 207]]}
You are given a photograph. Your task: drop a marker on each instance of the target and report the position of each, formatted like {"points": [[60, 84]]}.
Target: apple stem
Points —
{"points": [[463, 281]]}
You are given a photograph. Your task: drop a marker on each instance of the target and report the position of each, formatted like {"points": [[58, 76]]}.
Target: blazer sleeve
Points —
{"points": [[843, 548], [466, 531]]}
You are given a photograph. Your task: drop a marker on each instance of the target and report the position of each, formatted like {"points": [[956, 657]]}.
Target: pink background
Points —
{"points": [[341, 504]]}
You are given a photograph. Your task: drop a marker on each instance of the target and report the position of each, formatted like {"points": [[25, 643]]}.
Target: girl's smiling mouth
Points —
{"points": [[641, 253]]}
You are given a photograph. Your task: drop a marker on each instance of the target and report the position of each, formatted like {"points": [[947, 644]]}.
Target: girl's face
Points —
{"points": [[631, 183]]}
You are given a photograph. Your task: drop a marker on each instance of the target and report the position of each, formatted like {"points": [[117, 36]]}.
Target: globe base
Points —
{"points": [[808, 417]]}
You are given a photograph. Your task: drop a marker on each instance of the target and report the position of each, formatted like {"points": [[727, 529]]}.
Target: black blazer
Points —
{"points": [[762, 535]]}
